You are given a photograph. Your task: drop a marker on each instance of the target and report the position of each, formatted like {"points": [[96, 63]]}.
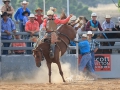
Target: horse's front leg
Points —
{"points": [[49, 70], [60, 70]]}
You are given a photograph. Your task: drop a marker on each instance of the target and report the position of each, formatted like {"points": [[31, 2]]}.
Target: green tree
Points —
{"points": [[76, 7]]}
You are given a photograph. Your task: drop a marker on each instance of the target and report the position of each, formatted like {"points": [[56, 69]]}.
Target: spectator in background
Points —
{"points": [[94, 45], [72, 21], [32, 27], [7, 8], [108, 25], [18, 15], [25, 18], [93, 25], [18, 44], [82, 21], [73, 24], [7, 26], [39, 16]]}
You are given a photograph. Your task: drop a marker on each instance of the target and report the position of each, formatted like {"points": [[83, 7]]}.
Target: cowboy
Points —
{"points": [[108, 25], [39, 16], [50, 25], [7, 26], [7, 8], [94, 45], [32, 27], [18, 15], [72, 21], [54, 10], [93, 25], [86, 55]]}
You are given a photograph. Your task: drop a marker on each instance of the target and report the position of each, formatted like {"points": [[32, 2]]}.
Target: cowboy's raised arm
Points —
{"points": [[64, 21]]}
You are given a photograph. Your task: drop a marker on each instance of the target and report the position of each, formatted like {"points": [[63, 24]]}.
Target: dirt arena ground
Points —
{"points": [[101, 84]]}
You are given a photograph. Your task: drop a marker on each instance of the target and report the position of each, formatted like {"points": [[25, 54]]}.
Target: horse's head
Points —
{"points": [[37, 53]]}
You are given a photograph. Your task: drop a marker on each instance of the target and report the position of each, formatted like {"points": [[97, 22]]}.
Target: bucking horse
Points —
{"points": [[65, 34]]}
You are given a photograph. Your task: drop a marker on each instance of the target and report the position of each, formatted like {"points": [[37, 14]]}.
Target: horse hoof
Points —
{"points": [[38, 65], [64, 81]]}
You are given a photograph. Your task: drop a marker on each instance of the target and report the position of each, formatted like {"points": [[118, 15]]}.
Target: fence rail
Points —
{"points": [[71, 47], [95, 32], [100, 40]]}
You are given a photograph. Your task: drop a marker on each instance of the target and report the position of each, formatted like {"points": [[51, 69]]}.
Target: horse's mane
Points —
{"points": [[63, 16]]}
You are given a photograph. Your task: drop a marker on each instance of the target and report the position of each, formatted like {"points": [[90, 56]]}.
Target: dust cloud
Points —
{"points": [[40, 75]]}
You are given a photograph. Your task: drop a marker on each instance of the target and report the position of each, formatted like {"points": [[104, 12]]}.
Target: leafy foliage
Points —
{"points": [[76, 7]]}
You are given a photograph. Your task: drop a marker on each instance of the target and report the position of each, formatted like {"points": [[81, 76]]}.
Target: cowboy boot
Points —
{"points": [[52, 49]]}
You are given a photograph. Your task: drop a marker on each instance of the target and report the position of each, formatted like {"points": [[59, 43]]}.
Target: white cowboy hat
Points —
{"points": [[50, 12], [32, 15], [84, 35], [73, 18], [24, 2], [108, 16], [90, 32], [53, 9], [93, 15]]}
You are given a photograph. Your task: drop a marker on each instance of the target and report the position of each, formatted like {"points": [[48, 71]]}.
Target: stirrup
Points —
{"points": [[51, 54], [42, 58]]}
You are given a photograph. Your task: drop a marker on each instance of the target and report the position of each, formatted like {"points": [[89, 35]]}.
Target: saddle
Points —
{"points": [[52, 37]]}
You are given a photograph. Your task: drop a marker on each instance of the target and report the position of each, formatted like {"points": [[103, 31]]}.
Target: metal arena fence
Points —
{"points": [[72, 47], [17, 63]]}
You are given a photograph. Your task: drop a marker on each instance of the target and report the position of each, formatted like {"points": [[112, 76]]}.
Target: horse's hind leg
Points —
{"points": [[49, 70], [60, 70]]}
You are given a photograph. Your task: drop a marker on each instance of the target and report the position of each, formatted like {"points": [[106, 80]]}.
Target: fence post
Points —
{"points": [[0, 50], [77, 49]]}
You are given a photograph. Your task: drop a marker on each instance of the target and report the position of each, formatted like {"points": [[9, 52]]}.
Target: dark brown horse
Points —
{"points": [[65, 34]]}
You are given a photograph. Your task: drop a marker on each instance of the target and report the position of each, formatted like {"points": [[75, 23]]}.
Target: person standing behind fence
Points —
{"points": [[7, 8], [94, 45], [108, 25], [39, 16], [18, 15], [18, 44], [86, 56], [25, 18], [93, 25], [32, 27], [7, 26]]}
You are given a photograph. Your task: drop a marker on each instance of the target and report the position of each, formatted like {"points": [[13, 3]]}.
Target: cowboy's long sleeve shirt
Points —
{"points": [[57, 21]]}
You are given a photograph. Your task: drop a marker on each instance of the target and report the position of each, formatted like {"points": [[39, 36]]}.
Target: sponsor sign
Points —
{"points": [[102, 62]]}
